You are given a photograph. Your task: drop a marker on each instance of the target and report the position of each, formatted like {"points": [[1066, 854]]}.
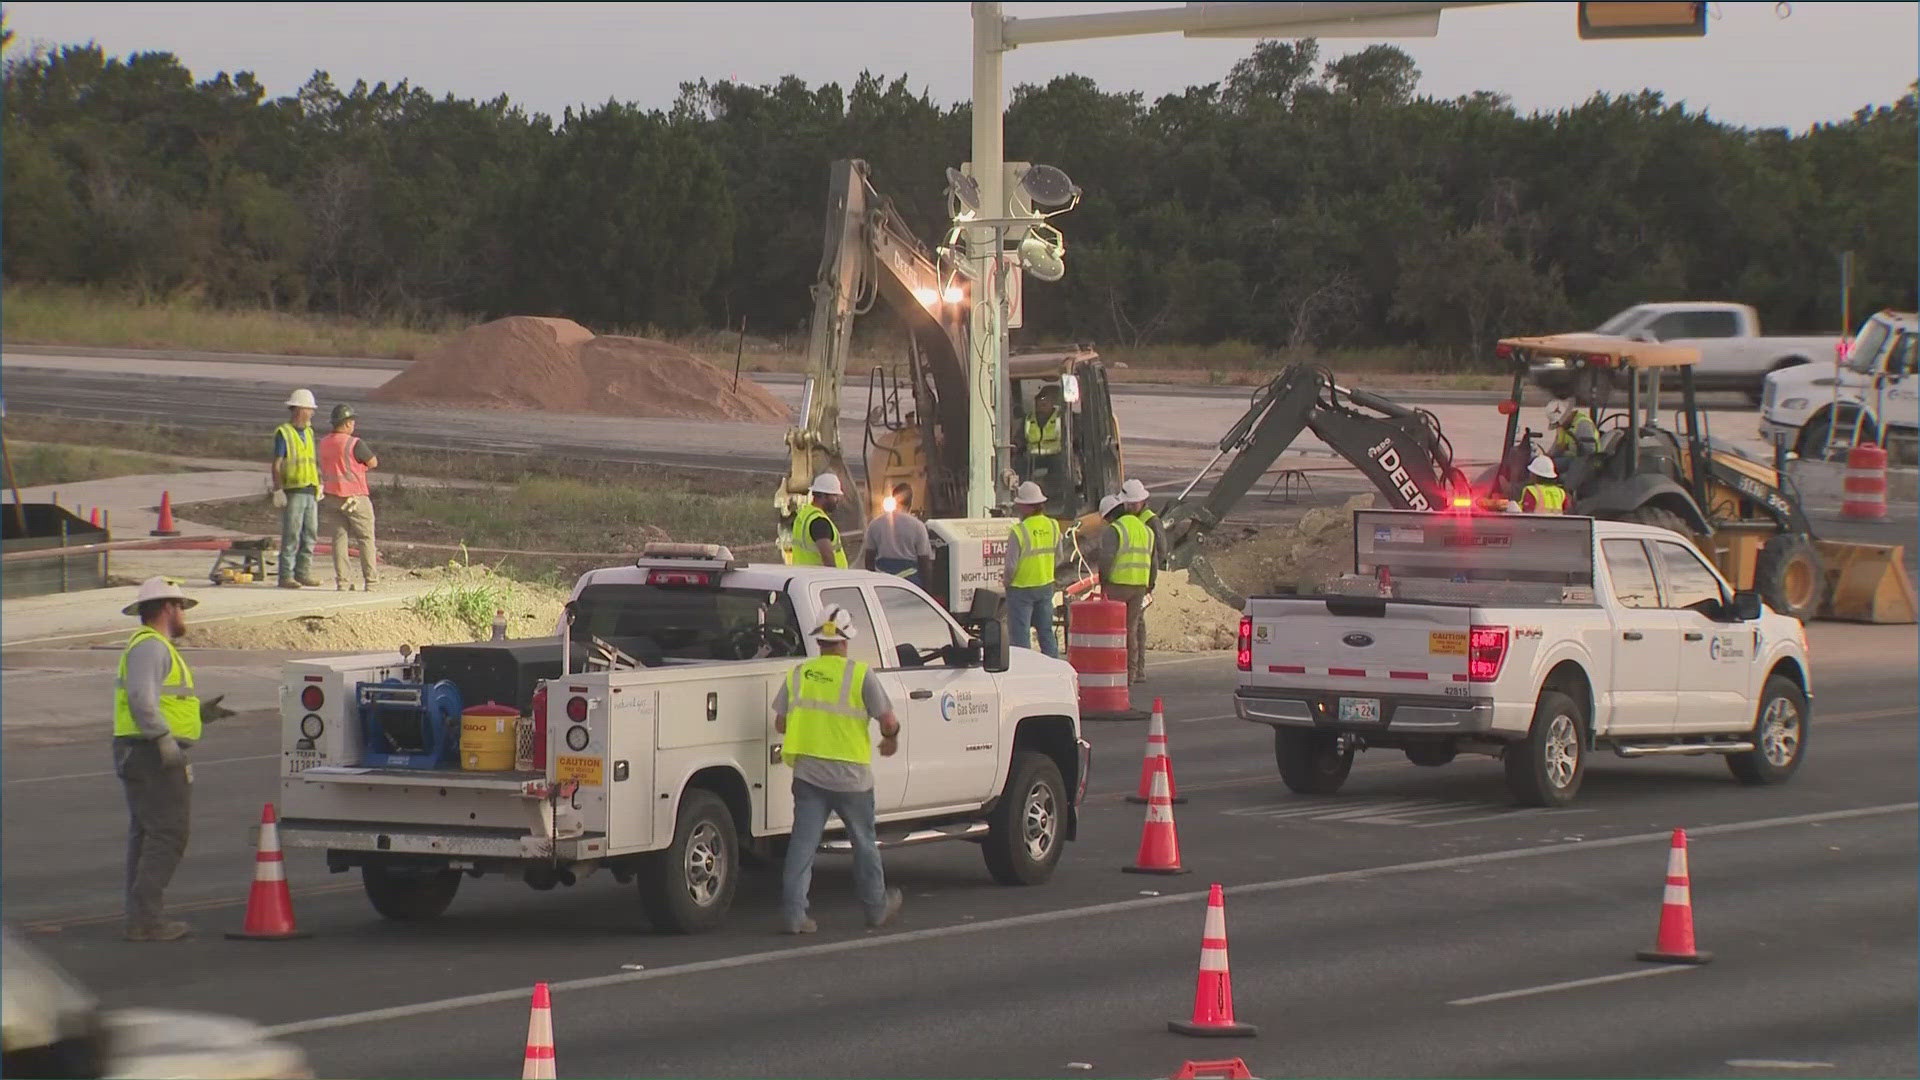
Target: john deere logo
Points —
{"points": [[1358, 640]]}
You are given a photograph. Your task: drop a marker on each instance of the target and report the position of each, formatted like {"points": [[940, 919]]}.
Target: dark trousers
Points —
{"points": [[1135, 597], [158, 803]]}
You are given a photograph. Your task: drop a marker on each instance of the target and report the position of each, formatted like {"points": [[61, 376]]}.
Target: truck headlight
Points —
{"points": [[1793, 403]]}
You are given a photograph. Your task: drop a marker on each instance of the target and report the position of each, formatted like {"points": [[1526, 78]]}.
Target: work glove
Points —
{"points": [[347, 504], [279, 499], [211, 710], [171, 755]]}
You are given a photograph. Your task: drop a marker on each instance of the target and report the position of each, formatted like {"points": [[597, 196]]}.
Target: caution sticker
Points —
{"points": [[1447, 643], [585, 770]]}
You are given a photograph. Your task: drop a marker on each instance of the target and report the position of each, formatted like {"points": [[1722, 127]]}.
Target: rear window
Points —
{"points": [[1473, 558], [654, 624]]}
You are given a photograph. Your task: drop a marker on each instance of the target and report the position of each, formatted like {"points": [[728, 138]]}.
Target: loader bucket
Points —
{"points": [[1866, 583]]}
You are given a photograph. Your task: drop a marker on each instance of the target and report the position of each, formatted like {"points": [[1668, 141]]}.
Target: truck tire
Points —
{"points": [[1431, 755], [1779, 735], [1311, 762], [1789, 577], [1027, 829], [688, 888], [1546, 767], [409, 895]]}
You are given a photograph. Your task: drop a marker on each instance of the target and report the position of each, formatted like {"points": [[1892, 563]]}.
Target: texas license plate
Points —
{"points": [[1359, 710]]}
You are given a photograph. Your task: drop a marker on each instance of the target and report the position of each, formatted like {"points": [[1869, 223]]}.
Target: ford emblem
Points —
{"points": [[1358, 641]]}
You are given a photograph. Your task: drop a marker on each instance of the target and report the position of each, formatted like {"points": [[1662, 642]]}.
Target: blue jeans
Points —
{"points": [[810, 808], [299, 525], [1032, 609], [895, 566]]}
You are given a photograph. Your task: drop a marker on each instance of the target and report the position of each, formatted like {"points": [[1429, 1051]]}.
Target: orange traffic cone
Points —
{"points": [[1213, 997], [539, 1060], [93, 519], [164, 527], [1156, 759], [1225, 1069], [269, 904], [1674, 945], [1159, 843]]}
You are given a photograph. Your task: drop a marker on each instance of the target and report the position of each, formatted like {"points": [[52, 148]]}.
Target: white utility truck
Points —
{"points": [[1878, 396], [652, 750], [1534, 639]]}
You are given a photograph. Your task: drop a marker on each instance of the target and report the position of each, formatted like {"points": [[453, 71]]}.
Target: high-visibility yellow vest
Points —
{"points": [[1566, 440], [180, 711], [805, 551], [1039, 537], [827, 711], [1133, 563], [1547, 498], [302, 468], [1043, 439], [1147, 515]]}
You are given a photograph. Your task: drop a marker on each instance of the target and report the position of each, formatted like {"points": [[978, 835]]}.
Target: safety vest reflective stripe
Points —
{"points": [[302, 468], [1133, 563], [1547, 498], [180, 711], [1039, 537], [805, 551], [1044, 440], [340, 475], [827, 711]]}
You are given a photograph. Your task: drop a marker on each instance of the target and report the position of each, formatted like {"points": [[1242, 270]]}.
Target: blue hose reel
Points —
{"points": [[407, 725]]}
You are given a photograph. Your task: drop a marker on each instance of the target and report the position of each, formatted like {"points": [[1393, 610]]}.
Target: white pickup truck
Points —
{"points": [[1734, 355], [1534, 639], [664, 766], [1878, 389]]}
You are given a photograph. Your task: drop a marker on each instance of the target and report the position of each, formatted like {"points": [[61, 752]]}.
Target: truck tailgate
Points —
{"points": [[1359, 645]]}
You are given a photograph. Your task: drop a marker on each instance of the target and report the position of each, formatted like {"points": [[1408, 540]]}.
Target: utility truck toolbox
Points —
{"points": [[1533, 639], [656, 757]]}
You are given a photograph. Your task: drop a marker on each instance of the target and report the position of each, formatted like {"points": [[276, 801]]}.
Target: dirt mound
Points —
{"points": [[1183, 618], [1304, 556], [557, 365]]}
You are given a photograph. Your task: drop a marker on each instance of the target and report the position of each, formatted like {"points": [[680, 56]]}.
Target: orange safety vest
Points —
{"points": [[340, 475]]}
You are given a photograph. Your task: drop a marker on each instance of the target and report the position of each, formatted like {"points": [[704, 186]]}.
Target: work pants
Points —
{"points": [[905, 569], [811, 805], [356, 523], [158, 804], [1032, 609], [1135, 597], [299, 526]]}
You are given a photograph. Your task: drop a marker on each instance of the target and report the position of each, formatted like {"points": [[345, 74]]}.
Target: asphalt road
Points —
{"points": [[1414, 925]]}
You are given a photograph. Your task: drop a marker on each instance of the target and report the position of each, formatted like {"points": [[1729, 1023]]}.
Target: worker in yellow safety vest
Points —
{"points": [[1136, 495], [296, 491], [1044, 442], [1128, 573], [821, 711], [156, 717], [1033, 556], [1575, 436], [816, 539], [1543, 494]]}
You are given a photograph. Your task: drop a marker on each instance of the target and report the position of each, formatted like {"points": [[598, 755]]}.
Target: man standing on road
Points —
{"points": [[1033, 556], [156, 717], [816, 539], [296, 491], [897, 541], [1128, 573], [346, 503], [1136, 495], [821, 711]]}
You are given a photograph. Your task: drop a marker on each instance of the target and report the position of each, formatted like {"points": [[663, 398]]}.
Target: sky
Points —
{"points": [[1819, 62]]}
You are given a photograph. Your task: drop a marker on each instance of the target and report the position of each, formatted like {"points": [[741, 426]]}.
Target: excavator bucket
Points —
{"points": [[1867, 583]]}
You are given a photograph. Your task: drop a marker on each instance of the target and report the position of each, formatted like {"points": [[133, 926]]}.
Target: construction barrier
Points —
{"points": [[1865, 484], [1674, 942], [1097, 649]]}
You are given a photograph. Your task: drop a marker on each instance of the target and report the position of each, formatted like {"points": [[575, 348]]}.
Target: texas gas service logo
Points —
{"points": [[961, 707]]}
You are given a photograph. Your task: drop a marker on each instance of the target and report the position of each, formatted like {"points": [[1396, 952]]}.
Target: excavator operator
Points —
{"points": [[1575, 438], [1043, 440]]}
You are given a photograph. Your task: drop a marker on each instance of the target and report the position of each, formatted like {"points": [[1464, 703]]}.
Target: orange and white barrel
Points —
{"points": [[1865, 483], [1097, 649]]}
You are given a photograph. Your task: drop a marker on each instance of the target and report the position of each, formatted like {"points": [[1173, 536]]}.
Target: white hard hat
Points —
{"points": [[1558, 409], [301, 399], [1542, 466], [1134, 491], [158, 588], [1108, 503], [1029, 494], [835, 625], [827, 484]]}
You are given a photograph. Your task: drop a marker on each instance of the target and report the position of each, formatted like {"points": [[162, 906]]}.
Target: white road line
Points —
{"points": [[1042, 918], [1769, 1063], [110, 772], [1571, 984], [1203, 719]]}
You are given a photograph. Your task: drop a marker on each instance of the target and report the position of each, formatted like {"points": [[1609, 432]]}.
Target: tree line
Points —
{"points": [[1296, 204]]}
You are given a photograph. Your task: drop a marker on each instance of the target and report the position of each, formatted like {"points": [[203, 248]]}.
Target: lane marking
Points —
{"points": [[1571, 984], [110, 772], [1770, 1063], [1042, 918]]}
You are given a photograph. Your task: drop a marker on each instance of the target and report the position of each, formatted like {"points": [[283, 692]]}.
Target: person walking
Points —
{"points": [[296, 491], [821, 711], [816, 539], [156, 719], [346, 502], [1128, 573], [897, 542], [1033, 557]]}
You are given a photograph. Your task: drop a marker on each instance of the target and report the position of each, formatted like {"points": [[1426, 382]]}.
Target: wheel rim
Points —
{"points": [[706, 863], [1562, 752], [1780, 733], [1797, 582], [1040, 823]]}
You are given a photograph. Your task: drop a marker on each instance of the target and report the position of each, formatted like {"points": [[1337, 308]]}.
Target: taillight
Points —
{"points": [[1243, 655], [679, 577], [1503, 351], [577, 710], [311, 699], [1486, 651]]}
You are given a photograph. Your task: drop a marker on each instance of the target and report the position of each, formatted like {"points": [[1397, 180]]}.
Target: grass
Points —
{"points": [[468, 598], [36, 464]]}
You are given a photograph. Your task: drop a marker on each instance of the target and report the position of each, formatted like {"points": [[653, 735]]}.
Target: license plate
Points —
{"points": [[1359, 710]]}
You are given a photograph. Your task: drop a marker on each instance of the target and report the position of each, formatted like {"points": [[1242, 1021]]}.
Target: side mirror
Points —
{"points": [[908, 655], [1746, 606], [993, 646]]}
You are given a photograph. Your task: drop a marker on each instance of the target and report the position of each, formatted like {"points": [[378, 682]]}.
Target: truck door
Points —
{"points": [[1716, 658], [1646, 644], [952, 714]]}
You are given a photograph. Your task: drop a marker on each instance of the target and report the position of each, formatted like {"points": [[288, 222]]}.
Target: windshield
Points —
{"points": [[1623, 322], [655, 624], [1864, 355]]}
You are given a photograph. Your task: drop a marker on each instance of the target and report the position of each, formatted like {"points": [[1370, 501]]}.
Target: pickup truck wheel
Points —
{"points": [[1788, 576], [409, 896], [688, 888], [1431, 755], [1546, 767], [1779, 736], [1027, 827], [1311, 762]]}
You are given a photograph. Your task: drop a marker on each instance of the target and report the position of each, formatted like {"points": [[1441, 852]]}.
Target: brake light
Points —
{"points": [[577, 710], [1243, 654], [539, 706], [312, 698], [679, 577], [1503, 351], [1486, 652]]}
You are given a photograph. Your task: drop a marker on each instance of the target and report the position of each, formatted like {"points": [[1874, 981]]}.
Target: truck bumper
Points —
{"points": [[451, 842], [1774, 433], [1400, 716]]}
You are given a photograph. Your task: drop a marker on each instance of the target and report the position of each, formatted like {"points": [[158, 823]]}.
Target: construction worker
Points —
{"points": [[821, 712], [1128, 574], [816, 539], [346, 503], [1136, 495], [897, 541], [156, 718], [1575, 437], [1543, 493], [296, 491], [1033, 555], [1043, 438]]}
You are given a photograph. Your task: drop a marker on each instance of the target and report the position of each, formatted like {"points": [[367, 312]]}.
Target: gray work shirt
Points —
{"points": [[838, 775], [148, 665], [899, 536]]}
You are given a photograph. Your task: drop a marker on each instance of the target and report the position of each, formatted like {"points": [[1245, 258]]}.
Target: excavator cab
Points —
{"points": [[1062, 429]]}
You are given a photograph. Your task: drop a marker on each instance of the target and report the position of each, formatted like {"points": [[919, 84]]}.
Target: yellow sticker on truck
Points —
{"points": [[1447, 643], [586, 770]]}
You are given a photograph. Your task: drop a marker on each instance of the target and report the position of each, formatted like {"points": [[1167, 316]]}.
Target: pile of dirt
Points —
{"points": [[1305, 556], [1184, 618], [531, 612], [557, 365]]}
